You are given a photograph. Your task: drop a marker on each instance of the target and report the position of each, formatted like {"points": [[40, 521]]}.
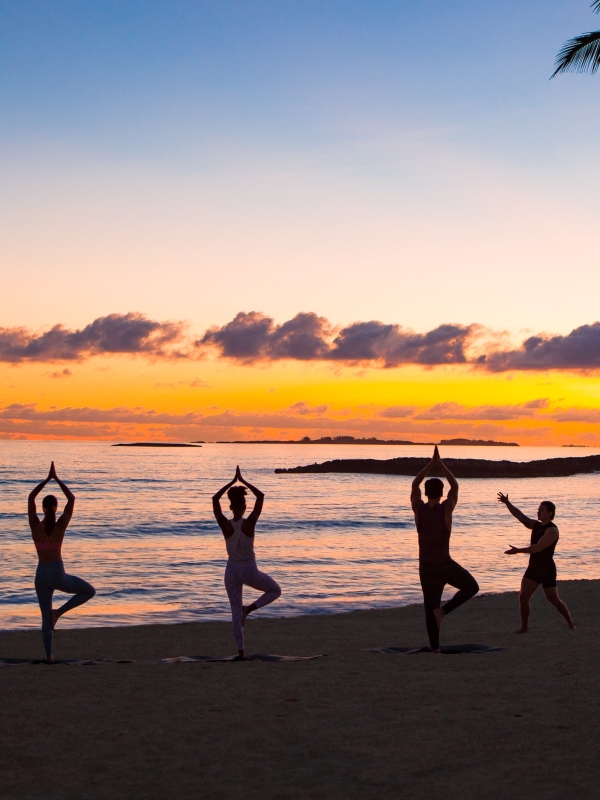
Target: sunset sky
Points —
{"points": [[225, 220]]}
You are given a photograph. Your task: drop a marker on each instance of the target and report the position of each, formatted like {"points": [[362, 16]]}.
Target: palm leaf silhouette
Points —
{"points": [[582, 53]]}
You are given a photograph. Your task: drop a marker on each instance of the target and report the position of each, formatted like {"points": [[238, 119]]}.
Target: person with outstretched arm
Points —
{"points": [[541, 568], [241, 567], [48, 535], [436, 568]]}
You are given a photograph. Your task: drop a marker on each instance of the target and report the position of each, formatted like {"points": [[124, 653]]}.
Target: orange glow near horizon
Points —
{"points": [[121, 398]]}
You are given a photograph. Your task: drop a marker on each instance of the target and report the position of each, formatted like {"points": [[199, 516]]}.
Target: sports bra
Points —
{"points": [[48, 545]]}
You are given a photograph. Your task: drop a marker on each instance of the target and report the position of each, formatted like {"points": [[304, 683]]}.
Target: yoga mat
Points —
{"points": [[452, 649], [256, 657], [65, 662]]}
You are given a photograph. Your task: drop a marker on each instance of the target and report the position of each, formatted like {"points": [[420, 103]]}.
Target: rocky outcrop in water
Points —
{"points": [[461, 467]]}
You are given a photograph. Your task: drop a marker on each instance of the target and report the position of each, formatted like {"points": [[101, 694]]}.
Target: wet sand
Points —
{"points": [[519, 722]]}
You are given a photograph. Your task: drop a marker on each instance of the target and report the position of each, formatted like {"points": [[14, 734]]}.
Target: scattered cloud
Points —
{"points": [[527, 420], [303, 409], [578, 350], [253, 337], [65, 373], [196, 383], [398, 412], [577, 415], [392, 345], [137, 416], [456, 411], [131, 333]]}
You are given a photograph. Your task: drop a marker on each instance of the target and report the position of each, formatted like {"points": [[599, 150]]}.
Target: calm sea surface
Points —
{"points": [[143, 531]]}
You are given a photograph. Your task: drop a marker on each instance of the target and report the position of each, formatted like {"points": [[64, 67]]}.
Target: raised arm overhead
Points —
{"points": [[31, 506], [222, 520], [260, 498], [517, 513], [415, 492], [452, 498], [65, 517]]}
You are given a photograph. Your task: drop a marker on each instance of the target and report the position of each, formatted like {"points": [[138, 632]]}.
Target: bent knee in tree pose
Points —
{"points": [[48, 535], [541, 568], [436, 568], [241, 567]]}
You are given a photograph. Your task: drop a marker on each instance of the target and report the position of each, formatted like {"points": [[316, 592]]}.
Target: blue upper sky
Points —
{"points": [[357, 94], [164, 77]]}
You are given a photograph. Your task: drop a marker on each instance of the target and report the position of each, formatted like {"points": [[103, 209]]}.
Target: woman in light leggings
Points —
{"points": [[241, 565], [48, 537]]}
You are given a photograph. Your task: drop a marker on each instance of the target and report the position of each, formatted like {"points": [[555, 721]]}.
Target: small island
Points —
{"points": [[477, 443], [461, 467], [326, 440], [154, 444], [373, 440]]}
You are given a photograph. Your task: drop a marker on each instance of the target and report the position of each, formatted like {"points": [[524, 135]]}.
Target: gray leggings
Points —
{"points": [[236, 577], [51, 576]]}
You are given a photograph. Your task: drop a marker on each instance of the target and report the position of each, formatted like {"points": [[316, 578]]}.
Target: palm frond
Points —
{"points": [[596, 6], [580, 54]]}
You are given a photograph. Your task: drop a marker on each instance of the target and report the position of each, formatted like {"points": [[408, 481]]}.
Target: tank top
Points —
{"points": [[545, 558], [240, 548], [434, 536]]}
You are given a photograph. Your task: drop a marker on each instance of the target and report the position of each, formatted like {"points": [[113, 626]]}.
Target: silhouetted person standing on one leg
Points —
{"points": [[436, 568], [541, 569], [241, 567], [48, 536]]}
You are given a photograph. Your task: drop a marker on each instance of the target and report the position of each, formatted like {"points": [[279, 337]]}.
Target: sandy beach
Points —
{"points": [[518, 722]]}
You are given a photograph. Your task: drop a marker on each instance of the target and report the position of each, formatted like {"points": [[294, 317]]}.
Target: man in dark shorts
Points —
{"points": [[436, 568], [541, 569]]}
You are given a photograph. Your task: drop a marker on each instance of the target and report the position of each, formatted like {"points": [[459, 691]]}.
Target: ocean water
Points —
{"points": [[143, 531]]}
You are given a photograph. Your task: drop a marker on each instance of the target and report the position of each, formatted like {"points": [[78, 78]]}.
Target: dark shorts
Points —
{"points": [[545, 575]]}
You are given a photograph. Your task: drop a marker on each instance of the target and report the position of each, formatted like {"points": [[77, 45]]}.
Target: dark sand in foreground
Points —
{"points": [[521, 722]]}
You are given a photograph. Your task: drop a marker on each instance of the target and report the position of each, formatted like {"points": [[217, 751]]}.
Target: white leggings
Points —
{"points": [[236, 577]]}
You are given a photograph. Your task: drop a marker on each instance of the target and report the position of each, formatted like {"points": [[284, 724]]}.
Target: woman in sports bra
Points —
{"points": [[541, 568], [241, 567], [50, 576]]}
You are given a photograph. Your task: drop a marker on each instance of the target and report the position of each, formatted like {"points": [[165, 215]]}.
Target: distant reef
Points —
{"points": [[153, 444], [373, 440], [478, 443], [461, 467], [326, 440]]}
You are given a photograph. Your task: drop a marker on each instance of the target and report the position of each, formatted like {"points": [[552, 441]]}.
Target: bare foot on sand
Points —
{"points": [[55, 618], [439, 615], [521, 630], [572, 626]]}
